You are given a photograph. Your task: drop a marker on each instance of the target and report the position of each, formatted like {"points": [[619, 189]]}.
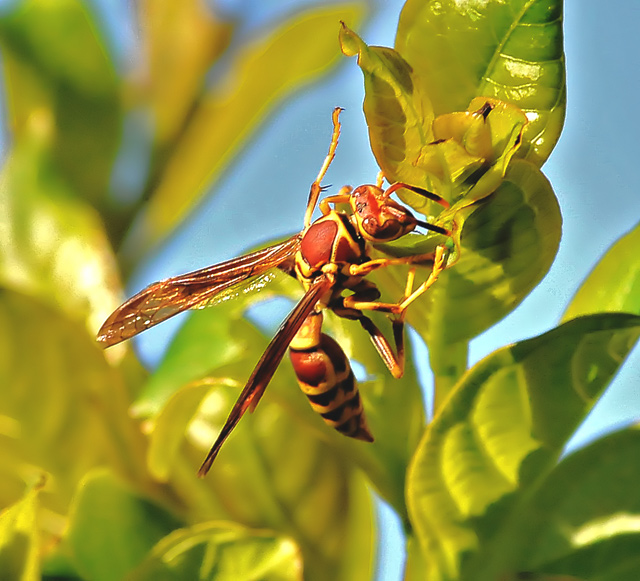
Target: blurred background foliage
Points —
{"points": [[107, 155]]}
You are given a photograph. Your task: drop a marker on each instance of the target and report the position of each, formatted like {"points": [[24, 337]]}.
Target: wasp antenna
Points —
{"points": [[433, 227], [430, 195]]}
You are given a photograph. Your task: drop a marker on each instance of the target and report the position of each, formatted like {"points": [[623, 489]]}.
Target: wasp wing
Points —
{"points": [[267, 365], [167, 298]]}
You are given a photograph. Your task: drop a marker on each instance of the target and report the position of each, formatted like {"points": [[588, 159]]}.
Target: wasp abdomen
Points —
{"points": [[325, 376]]}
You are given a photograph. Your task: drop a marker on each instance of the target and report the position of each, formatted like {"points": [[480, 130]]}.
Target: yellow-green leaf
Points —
{"points": [[398, 113], [511, 50], [52, 244], [111, 528], [222, 552], [20, 539], [521, 402], [66, 404], [614, 283]]}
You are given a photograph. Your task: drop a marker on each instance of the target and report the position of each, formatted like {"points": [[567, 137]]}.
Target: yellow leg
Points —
{"points": [[314, 194], [439, 263], [367, 267], [342, 197]]}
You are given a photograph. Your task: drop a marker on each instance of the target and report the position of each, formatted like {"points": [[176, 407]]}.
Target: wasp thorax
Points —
{"points": [[378, 218]]}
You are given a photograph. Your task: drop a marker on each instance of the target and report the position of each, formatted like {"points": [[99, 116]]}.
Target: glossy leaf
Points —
{"points": [[105, 513], [263, 74], [274, 471], [583, 520], [55, 61], [66, 403], [20, 539], [221, 552], [511, 50], [504, 425], [614, 284], [53, 245], [462, 154], [507, 244], [399, 114], [490, 131]]}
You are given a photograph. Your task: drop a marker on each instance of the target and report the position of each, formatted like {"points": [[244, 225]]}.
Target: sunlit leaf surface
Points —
{"points": [[19, 539], [463, 154], [222, 552], [578, 522], [399, 114], [511, 50], [520, 403], [53, 245], [614, 284], [182, 40], [507, 245]]}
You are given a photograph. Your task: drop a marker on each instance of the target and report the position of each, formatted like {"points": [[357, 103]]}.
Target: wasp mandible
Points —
{"points": [[330, 256]]}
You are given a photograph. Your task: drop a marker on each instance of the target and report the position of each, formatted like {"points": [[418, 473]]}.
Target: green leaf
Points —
{"points": [[490, 132], [399, 115], [66, 405], [111, 529], [56, 64], [501, 430], [583, 520], [264, 73], [221, 552], [507, 245], [614, 284], [20, 539], [511, 50], [53, 245], [455, 155]]}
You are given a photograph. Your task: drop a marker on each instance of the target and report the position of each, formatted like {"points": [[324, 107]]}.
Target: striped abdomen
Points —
{"points": [[326, 378]]}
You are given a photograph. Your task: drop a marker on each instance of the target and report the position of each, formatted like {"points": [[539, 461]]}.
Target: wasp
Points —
{"points": [[331, 256]]}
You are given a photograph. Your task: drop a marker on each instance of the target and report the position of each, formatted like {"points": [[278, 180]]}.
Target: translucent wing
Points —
{"points": [[166, 298], [267, 365]]}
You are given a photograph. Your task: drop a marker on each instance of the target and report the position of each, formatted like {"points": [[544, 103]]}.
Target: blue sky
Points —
{"points": [[593, 171]]}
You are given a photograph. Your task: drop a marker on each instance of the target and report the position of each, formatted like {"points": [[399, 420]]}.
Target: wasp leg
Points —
{"points": [[342, 197], [366, 293], [399, 308], [367, 267], [316, 188]]}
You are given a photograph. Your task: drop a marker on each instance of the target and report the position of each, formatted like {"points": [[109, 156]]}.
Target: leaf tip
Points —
{"points": [[349, 40]]}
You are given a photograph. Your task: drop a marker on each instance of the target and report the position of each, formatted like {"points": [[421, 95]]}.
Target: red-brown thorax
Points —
{"points": [[340, 239], [331, 239]]}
